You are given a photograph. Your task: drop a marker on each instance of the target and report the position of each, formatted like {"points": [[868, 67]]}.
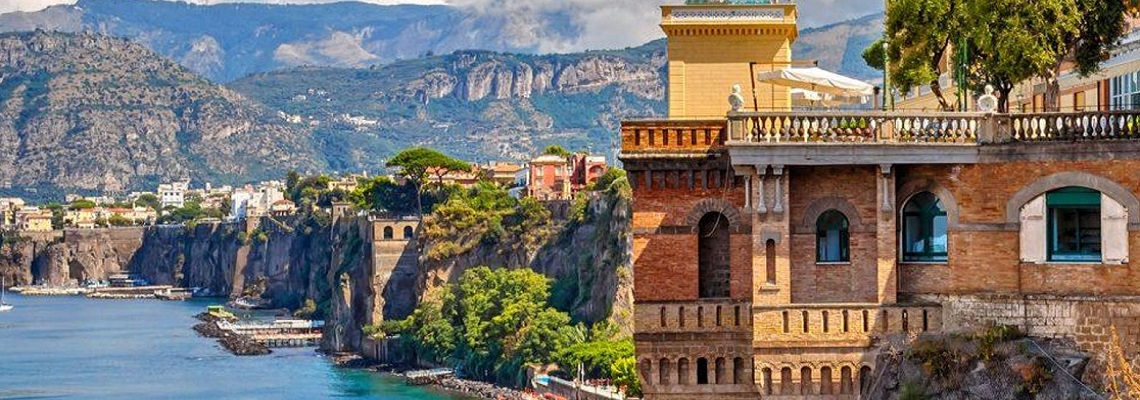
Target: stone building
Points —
{"points": [[774, 249]]}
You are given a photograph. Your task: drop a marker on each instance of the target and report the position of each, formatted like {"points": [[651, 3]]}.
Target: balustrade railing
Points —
{"points": [[1075, 126], [856, 127], [850, 127]]}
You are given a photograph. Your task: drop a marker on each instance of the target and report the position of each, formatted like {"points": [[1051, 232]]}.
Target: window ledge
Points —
{"points": [[925, 262], [832, 263], [767, 287]]}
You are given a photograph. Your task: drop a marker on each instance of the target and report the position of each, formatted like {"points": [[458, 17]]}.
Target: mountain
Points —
{"points": [[228, 41], [478, 105], [85, 112], [839, 47], [484, 105]]}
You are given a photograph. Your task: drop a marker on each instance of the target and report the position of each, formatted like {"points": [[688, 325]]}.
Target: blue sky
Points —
{"points": [[603, 23]]}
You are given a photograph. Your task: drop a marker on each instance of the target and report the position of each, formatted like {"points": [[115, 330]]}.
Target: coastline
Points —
{"points": [[453, 385]]}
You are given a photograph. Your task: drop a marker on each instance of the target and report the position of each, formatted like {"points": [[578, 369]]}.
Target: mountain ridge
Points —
{"points": [[90, 112]]}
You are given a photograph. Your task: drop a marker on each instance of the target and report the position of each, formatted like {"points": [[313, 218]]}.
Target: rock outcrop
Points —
{"points": [[589, 262], [87, 112]]}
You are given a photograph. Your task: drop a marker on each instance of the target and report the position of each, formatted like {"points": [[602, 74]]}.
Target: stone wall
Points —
{"points": [[1087, 320]]}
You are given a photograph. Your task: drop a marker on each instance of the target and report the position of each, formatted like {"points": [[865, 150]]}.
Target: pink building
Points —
{"points": [[559, 178]]}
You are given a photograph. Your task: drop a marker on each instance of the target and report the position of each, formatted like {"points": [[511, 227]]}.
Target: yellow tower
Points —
{"points": [[715, 44]]}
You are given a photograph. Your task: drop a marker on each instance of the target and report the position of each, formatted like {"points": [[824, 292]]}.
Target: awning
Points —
{"points": [[817, 80]]}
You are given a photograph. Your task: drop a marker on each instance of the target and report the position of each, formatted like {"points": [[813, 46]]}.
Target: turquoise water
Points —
{"points": [[76, 348]]}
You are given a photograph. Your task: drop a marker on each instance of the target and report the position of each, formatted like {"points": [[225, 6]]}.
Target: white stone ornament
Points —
{"points": [[988, 102], [736, 99]]}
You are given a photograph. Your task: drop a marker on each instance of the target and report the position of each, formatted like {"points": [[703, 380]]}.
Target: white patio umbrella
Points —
{"points": [[817, 80], [808, 98]]}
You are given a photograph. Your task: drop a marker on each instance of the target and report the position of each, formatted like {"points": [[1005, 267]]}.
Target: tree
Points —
{"points": [[1008, 41], [417, 163], [150, 201], [382, 194], [556, 150], [920, 33], [82, 204], [118, 220], [624, 375]]}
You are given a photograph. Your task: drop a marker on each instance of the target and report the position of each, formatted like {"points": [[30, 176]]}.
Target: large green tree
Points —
{"points": [[418, 163], [1007, 41], [920, 33]]}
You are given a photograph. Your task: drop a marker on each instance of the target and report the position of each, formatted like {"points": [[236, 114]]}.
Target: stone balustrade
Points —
{"points": [[1075, 126], [873, 127]]}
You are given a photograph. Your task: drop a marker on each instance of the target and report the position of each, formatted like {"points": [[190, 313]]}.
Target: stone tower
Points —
{"points": [[716, 44]]}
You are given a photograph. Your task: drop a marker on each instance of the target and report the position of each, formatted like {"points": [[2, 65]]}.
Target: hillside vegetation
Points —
{"points": [[97, 113]]}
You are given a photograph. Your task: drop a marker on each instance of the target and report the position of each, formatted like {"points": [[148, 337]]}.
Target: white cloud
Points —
{"points": [[36, 5], [594, 24]]}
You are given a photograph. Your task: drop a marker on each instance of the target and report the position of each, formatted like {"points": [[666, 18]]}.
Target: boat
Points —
{"points": [[4, 306]]}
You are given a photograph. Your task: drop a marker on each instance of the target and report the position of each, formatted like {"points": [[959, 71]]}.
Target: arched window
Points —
{"points": [[387, 233], [408, 232], [767, 376], [712, 255], [825, 385], [738, 371], [805, 381], [664, 371], [683, 371], [1073, 224], [924, 229], [702, 371], [832, 237]]}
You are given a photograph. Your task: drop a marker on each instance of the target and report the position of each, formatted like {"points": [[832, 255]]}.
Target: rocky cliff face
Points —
{"points": [[589, 262], [68, 257], [290, 257], [97, 113], [477, 105]]}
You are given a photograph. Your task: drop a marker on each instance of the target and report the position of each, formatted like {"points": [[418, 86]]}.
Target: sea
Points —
{"points": [[79, 348]]}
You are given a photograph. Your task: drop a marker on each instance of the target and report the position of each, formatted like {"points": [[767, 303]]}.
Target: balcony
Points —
{"points": [[872, 137]]}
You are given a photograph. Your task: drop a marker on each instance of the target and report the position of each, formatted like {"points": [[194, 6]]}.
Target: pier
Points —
{"points": [[279, 333]]}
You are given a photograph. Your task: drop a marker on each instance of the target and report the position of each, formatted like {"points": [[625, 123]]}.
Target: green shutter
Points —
{"points": [[1073, 197]]}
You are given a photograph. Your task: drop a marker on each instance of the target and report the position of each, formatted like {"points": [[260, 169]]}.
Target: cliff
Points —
{"points": [[588, 258], [59, 258]]}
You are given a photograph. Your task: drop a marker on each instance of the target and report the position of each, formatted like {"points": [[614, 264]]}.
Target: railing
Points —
{"points": [[856, 127], [1075, 126], [874, 127]]}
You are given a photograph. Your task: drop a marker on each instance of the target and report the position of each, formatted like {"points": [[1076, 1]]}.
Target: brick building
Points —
{"points": [[774, 250], [553, 177]]}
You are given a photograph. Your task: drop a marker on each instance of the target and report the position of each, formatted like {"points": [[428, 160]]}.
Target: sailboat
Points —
{"points": [[4, 306]]}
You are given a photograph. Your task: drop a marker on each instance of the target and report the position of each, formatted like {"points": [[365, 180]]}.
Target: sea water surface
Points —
{"points": [[78, 348]]}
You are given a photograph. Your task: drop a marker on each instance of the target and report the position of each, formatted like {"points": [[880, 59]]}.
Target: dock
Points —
{"points": [[278, 333], [428, 377], [128, 293]]}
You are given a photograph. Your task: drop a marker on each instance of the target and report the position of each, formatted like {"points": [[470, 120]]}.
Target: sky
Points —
{"points": [[602, 24]]}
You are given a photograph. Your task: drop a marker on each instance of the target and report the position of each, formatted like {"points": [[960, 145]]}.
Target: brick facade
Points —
{"points": [[794, 327]]}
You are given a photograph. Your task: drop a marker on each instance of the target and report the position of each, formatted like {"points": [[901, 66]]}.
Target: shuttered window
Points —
{"points": [[1074, 224]]}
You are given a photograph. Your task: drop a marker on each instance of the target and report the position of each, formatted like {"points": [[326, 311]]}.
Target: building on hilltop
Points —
{"points": [[553, 177], [173, 194], [9, 206], [774, 250]]}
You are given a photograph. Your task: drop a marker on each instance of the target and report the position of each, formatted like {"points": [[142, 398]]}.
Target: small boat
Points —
{"points": [[4, 306]]}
